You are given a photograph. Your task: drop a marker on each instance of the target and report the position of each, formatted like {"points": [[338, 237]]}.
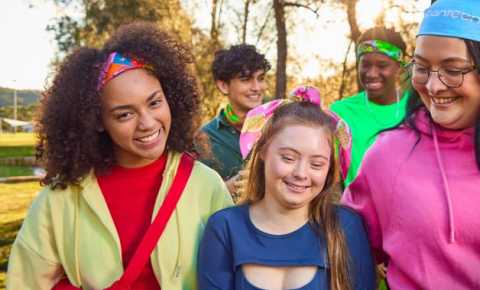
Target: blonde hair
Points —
{"points": [[322, 208]]}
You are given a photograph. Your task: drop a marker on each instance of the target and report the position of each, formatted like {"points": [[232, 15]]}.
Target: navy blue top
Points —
{"points": [[231, 240]]}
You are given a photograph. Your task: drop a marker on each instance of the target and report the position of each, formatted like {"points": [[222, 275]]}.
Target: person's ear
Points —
{"points": [[223, 87]]}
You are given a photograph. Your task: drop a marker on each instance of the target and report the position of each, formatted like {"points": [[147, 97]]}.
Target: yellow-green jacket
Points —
{"points": [[70, 232]]}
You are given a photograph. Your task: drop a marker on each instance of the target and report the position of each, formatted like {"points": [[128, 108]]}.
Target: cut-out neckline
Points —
{"points": [[252, 285]]}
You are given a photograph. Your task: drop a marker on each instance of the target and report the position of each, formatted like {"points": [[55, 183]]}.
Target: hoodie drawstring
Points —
{"points": [[446, 187]]}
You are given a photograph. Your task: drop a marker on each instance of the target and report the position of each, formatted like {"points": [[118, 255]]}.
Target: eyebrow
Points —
{"points": [[450, 59], [314, 156], [124, 107]]}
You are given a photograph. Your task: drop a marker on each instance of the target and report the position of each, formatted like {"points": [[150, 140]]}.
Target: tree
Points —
{"points": [[282, 47], [100, 18]]}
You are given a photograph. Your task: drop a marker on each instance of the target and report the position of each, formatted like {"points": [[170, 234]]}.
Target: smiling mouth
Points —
{"points": [[295, 187], [148, 138], [444, 101], [254, 97], [373, 85]]}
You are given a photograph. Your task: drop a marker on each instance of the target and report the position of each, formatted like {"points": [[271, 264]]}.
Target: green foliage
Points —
{"points": [[25, 97], [100, 18], [15, 199], [16, 151], [13, 170], [24, 113]]}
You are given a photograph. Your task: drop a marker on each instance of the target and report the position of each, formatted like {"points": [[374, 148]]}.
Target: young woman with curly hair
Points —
{"points": [[287, 233], [114, 128]]}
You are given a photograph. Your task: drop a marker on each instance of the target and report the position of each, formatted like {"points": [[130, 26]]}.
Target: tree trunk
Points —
{"points": [[352, 20], [213, 27], [245, 20], [354, 30], [344, 72], [281, 75]]}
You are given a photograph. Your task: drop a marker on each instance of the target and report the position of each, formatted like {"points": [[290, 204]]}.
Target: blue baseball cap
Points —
{"points": [[452, 18]]}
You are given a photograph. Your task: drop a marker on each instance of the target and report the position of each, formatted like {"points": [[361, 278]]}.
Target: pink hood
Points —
{"points": [[419, 194], [459, 139]]}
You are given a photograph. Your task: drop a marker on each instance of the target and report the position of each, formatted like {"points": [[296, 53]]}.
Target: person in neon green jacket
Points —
{"points": [[381, 104], [113, 126]]}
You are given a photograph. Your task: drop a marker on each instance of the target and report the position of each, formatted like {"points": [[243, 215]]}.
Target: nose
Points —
{"points": [[372, 72], [434, 85], [146, 121], [256, 85], [300, 170]]}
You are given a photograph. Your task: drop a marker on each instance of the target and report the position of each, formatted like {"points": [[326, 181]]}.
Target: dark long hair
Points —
{"points": [[415, 103]]}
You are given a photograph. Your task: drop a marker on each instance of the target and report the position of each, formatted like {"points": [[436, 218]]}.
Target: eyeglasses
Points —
{"points": [[450, 77]]}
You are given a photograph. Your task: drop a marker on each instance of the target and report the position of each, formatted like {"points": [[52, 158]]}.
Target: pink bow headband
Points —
{"points": [[258, 117]]}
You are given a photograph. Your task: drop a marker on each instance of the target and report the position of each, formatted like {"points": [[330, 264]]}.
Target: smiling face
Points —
{"points": [[244, 92], [378, 73], [295, 170], [136, 116], [453, 108]]}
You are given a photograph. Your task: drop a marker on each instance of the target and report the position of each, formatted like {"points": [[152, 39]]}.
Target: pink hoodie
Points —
{"points": [[421, 205]]}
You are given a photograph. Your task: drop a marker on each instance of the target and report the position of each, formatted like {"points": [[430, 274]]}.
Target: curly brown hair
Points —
{"points": [[70, 142], [242, 59]]}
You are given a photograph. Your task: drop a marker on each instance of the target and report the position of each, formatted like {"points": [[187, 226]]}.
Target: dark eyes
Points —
{"points": [[318, 165], [445, 71], [123, 116], [247, 79], [379, 65], [453, 72], [314, 165], [156, 103], [287, 158]]}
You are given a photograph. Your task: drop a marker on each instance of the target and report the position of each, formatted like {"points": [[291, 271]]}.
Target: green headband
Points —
{"points": [[380, 46]]}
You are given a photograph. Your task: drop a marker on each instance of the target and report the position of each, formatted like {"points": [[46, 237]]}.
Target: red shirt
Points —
{"points": [[130, 194]]}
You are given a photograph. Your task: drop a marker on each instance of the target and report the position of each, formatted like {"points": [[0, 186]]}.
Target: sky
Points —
{"points": [[27, 48]]}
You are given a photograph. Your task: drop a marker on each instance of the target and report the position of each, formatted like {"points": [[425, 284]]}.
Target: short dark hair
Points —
{"points": [[70, 145], [241, 59], [385, 34]]}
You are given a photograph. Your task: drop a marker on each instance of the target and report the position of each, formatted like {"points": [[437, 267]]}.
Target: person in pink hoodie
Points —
{"points": [[418, 189]]}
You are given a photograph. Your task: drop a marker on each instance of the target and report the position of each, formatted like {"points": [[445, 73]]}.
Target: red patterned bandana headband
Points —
{"points": [[115, 65]]}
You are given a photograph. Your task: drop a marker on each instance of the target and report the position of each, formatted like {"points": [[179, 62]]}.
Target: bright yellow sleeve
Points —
{"points": [[33, 262], [29, 270]]}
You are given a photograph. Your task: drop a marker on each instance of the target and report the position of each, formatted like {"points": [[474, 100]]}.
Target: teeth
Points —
{"points": [[296, 187], [149, 138], [443, 101]]}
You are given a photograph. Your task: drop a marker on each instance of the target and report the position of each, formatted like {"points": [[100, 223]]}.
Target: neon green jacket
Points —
{"points": [[70, 232]]}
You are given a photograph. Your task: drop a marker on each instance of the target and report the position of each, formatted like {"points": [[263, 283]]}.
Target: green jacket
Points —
{"points": [[70, 232], [226, 158]]}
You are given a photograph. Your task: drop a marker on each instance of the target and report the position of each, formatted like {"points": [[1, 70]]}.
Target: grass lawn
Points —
{"points": [[17, 145], [16, 151], [11, 170], [17, 139], [15, 199]]}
